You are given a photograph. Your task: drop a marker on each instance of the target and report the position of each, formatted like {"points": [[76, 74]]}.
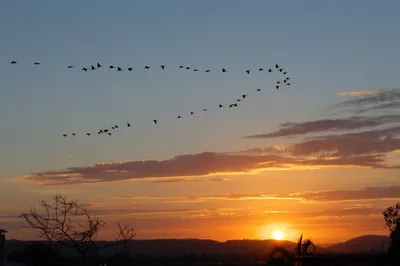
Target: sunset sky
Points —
{"points": [[320, 156]]}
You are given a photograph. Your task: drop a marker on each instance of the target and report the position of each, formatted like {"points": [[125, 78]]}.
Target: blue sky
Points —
{"points": [[327, 48]]}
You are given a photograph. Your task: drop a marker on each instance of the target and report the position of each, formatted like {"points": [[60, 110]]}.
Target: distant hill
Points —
{"points": [[366, 243], [174, 247], [178, 247]]}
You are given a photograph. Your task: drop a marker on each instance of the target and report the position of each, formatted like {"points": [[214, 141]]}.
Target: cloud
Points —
{"points": [[351, 123], [367, 193], [373, 101], [209, 164], [362, 92], [373, 144], [175, 180]]}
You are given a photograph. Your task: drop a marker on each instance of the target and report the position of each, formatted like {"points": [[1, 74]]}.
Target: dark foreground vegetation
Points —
{"points": [[70, 230]]}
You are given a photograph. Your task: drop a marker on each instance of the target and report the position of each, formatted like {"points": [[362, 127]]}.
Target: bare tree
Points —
{"points": [[69, 223]]}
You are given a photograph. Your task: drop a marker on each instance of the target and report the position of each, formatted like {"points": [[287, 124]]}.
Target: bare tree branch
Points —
{"points": [[69, 223]]}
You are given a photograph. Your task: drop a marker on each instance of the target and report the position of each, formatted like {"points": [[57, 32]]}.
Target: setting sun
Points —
{"points": [[278, 235]]}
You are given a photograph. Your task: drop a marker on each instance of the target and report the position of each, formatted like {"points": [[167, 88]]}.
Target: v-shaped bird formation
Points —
{"points": [[286, 81]]}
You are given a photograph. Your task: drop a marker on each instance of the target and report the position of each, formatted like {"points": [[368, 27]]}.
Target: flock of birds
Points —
{"points": [[108, 131]]}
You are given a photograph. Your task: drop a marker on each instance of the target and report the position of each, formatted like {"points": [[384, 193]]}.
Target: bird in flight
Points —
{"points": [[98, 65], [162, 66], [224, 70], [130, 68], [276, 66], [248, 71], [111, 67], [84, 69], [119, 69], [260, 69], [207, 70], [36, 63], [92, 67], [128, 125], [70, 66], [13, 62], [64, 135], [147, 67], [155, 121]]}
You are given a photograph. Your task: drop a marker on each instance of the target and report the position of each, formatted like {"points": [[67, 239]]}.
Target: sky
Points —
{"points": [[319, 156]]}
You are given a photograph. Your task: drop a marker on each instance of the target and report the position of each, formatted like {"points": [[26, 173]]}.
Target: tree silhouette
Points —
{"points": [[392, 222], [69, 223]]}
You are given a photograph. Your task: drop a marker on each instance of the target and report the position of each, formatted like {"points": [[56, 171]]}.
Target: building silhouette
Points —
{"points": [[3, 247]]}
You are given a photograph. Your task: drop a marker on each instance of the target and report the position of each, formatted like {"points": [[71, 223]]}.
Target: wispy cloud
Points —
{"points": [[362, 92], [175, 180], [381, 100], [367, 193], [215, 164], [316, 126]]}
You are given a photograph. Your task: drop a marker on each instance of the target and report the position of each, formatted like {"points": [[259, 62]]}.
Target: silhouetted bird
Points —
{"points": [[238, 100], [195, 70], [111, 67], [128, 125], [187, 68], [116, 126], [192, 113], [284, 73], [231, 105], [276, 66], [207, 70], [260, 69], [220, 106], [112, 128], [64, 135], [224, 70], [278, 82], [92, 67], [119, 69], [277, 87], [109, 134], [258, 89], [106, 130], [70, 66], [288, 84], [244, 96], [36, 63], [88, 134], [204, 110], [248, 71], [180, 66], [84, 69], [73, 134], [147, 67], [281, 69], [269, 70], [13, 62], [155, 121], [162, 66], [179, 116], [235, 105], [98, 65], [130, 68]]}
